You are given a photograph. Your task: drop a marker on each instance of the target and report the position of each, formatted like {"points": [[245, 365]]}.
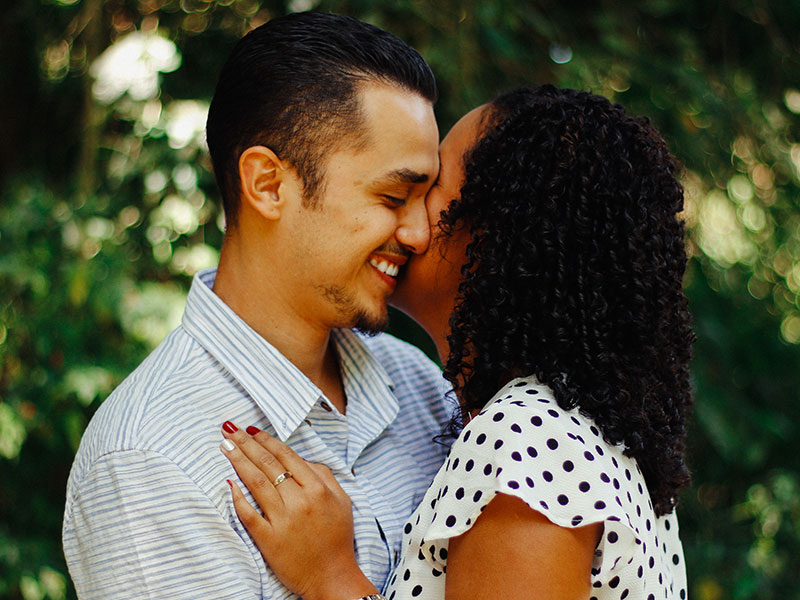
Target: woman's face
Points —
{"points": [[428, 286]]}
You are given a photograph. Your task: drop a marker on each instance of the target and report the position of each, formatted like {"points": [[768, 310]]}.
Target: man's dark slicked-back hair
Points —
{"points": [[291, 85]]}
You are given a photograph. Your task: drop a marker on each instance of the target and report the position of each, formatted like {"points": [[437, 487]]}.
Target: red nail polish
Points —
{"points": [[252, 430], [229, 427], [230, 483]]}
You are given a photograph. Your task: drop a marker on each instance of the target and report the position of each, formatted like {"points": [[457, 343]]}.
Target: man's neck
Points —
{"points": [[305, 344]]}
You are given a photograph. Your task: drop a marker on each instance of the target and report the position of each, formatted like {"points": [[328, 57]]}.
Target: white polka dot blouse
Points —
{"points": [[523, 444]]}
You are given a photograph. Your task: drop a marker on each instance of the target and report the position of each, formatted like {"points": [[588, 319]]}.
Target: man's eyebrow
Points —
{"points": [[404, 176]]}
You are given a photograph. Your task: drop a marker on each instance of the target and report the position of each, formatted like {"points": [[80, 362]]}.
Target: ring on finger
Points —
{"points": [[281, 478]]}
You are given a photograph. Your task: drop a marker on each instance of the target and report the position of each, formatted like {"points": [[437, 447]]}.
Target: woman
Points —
{"points": [[555, 278]]}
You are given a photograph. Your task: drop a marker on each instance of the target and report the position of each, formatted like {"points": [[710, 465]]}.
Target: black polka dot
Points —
{"points": [[553, 413], [480, 439], [407, 528], [516, 456], [436, 572], [477, 496], [469, 465], [460, 493], [612, 537], [568, 466], [516, 428], [547, 476], [498, 444], [552, 444], [406, 575], [614, 582], [532, 452], [513, 485], [624, 594], [577, 520], [536, 421], [563, 500], [543, 504], [599, 450], [532, 392], [675, 559], [443, 553], [584, 486], [451, 520], [498, 417], [529, 482], [487, 470], [416, 591], [605, 478], [599, 505], [588, 455], [467, 433], [455, 463]]}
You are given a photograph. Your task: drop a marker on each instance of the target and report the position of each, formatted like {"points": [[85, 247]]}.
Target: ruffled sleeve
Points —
{"points": [[524, 445]]}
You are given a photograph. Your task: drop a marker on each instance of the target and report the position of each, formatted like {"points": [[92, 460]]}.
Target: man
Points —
{"points": [[324, 144]]}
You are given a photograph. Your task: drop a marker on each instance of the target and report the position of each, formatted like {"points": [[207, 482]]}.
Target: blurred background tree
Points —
{"points": [[108, 207]]}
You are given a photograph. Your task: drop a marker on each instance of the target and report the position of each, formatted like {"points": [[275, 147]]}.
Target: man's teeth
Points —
{"points": [[386, 267]]}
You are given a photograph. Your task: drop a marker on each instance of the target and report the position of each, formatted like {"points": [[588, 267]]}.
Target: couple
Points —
{"points": [[547, 268]]}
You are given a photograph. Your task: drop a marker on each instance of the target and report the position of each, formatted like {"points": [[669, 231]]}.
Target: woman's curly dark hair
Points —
{"points": [[574, 273]]}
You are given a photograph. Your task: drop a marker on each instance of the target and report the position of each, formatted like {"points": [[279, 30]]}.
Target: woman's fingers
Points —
{"points": [[265, 461], [288, 458], [257, 526], [259, 482]]}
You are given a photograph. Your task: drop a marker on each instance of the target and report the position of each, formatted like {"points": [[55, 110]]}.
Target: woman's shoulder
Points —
{"points": [[525, 412], [524, 444]]}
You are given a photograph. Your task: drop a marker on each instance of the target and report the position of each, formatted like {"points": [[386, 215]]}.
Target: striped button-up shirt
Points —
{"points": [[148, 512]]}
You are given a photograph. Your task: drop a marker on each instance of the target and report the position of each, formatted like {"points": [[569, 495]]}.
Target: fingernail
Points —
{"points": [[227, 445], [252, 430], [230, 483], [229, 427]]}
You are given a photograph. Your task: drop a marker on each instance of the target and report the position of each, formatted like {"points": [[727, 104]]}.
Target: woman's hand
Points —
{"points": [[306, 533]]}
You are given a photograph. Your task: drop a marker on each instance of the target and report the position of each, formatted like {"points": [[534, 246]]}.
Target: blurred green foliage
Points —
{"points": [[107, 207]]}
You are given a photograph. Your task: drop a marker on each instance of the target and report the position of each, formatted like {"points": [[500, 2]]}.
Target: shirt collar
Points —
{"points": [[275, 384]]}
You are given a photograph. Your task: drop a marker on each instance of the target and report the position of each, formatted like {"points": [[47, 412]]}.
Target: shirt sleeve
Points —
{"points": [[138, 527], [524, 445]]}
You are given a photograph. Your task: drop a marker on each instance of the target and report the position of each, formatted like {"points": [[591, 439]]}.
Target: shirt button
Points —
{"points": [[326, 406]]}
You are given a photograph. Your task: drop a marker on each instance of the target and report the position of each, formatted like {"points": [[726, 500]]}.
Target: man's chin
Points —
{"points": [[371, 324]]}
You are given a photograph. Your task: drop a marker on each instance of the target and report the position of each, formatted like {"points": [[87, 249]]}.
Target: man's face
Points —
{"points": [[429, 285], [369, 216]]}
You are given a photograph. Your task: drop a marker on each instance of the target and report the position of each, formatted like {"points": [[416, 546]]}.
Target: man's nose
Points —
{"points": [[414, 231]]}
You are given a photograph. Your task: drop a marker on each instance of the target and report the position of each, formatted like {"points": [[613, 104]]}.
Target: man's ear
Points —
{"points": [[261, 174]]}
